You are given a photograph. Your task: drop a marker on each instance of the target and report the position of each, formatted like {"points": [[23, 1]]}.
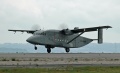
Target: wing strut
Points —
{"points": [[75, 37]]}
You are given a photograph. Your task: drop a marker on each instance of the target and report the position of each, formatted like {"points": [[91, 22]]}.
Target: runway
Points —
{"points": [[58, 59], [58, 65]]}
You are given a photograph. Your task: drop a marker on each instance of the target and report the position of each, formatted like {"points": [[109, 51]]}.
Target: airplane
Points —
{"points": [[64, 38]]}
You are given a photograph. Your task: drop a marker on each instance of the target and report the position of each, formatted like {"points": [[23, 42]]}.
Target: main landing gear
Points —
{"points": [[49, 50], [67, 50]]}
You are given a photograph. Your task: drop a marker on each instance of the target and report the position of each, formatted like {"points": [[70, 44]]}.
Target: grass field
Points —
{"points": [[62, 70]]}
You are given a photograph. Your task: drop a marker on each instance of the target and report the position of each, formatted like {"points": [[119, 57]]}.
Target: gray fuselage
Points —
{"points": [[55, 39]]}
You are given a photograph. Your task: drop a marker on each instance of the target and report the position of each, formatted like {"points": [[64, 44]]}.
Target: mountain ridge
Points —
{"points": [[90, 48]]}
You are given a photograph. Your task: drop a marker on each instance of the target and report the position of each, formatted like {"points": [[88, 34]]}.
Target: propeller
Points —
{"points": [[63, 26], [64, 29], [36, 27]]}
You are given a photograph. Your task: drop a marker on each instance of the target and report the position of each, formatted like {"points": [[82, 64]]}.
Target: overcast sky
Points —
{"points": [[49, 14]]}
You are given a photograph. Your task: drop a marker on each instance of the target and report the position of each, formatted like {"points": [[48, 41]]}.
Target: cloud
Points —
{"points": [[26, 6], [81, 13]]}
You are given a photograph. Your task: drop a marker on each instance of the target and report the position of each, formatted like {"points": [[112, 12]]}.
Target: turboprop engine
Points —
{"points": [[66, 32]]}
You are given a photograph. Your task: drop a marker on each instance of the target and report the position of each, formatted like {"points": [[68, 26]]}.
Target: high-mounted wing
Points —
{"points": [[28, 31], [99, 29], [89, 29]]}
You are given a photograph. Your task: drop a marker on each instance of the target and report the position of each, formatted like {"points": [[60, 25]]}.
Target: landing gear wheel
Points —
{"points": [[48, 50], [35, 48], [67, 50]]}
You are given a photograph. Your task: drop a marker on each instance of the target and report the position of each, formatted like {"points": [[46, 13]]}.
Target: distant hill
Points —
{"points": [[28, 48]]}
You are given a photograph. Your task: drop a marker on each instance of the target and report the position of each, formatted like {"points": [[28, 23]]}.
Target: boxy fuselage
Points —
{"points": [[53, 38]]}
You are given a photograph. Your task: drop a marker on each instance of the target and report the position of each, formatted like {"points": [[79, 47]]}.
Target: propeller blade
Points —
{"points": [[36, 27], [63, 26]]}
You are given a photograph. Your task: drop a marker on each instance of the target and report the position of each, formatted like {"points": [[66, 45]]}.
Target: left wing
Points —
{"points": [[28, 31], [89, 29]]}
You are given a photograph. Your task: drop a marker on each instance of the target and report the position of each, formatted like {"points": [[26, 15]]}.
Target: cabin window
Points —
{"points": [[61, 40]]}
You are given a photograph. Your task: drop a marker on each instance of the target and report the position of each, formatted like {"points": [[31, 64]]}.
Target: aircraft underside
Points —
{"points": [[78, 42]]}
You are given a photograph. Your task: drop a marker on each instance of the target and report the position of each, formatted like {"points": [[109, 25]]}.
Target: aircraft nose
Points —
{"points": [[30, 39]]}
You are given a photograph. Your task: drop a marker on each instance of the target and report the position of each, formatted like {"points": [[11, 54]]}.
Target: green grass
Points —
{"points": [[62, 70]]}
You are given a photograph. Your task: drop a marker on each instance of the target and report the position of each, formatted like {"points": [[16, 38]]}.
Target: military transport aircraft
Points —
{"points": [[65, 38]]}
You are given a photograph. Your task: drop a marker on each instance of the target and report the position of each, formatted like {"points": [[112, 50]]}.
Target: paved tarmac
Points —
{"points": [[58, 65], [62, 55], [32, 60]]}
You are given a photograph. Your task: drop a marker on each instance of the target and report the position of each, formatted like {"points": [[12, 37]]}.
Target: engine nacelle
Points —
{"points": [[100, 36], [66, 32], [76, 28]]}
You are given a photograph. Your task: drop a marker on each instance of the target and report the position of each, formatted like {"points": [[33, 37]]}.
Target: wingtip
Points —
{"points": [[109, 26], [9, 30]]}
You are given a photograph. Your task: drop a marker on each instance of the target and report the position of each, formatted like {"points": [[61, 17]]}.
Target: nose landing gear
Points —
{"points": [[35, 48]]}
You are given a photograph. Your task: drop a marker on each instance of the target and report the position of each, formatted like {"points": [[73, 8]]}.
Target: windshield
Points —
{"points": [[39, 33]]}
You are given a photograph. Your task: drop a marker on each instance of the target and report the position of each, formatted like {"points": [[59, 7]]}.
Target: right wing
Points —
{"points": [[90, 29], [28, 31], [82, 30]]}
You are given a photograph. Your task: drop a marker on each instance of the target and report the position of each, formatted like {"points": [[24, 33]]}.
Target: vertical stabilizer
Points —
{"points": [[100, 36]]}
